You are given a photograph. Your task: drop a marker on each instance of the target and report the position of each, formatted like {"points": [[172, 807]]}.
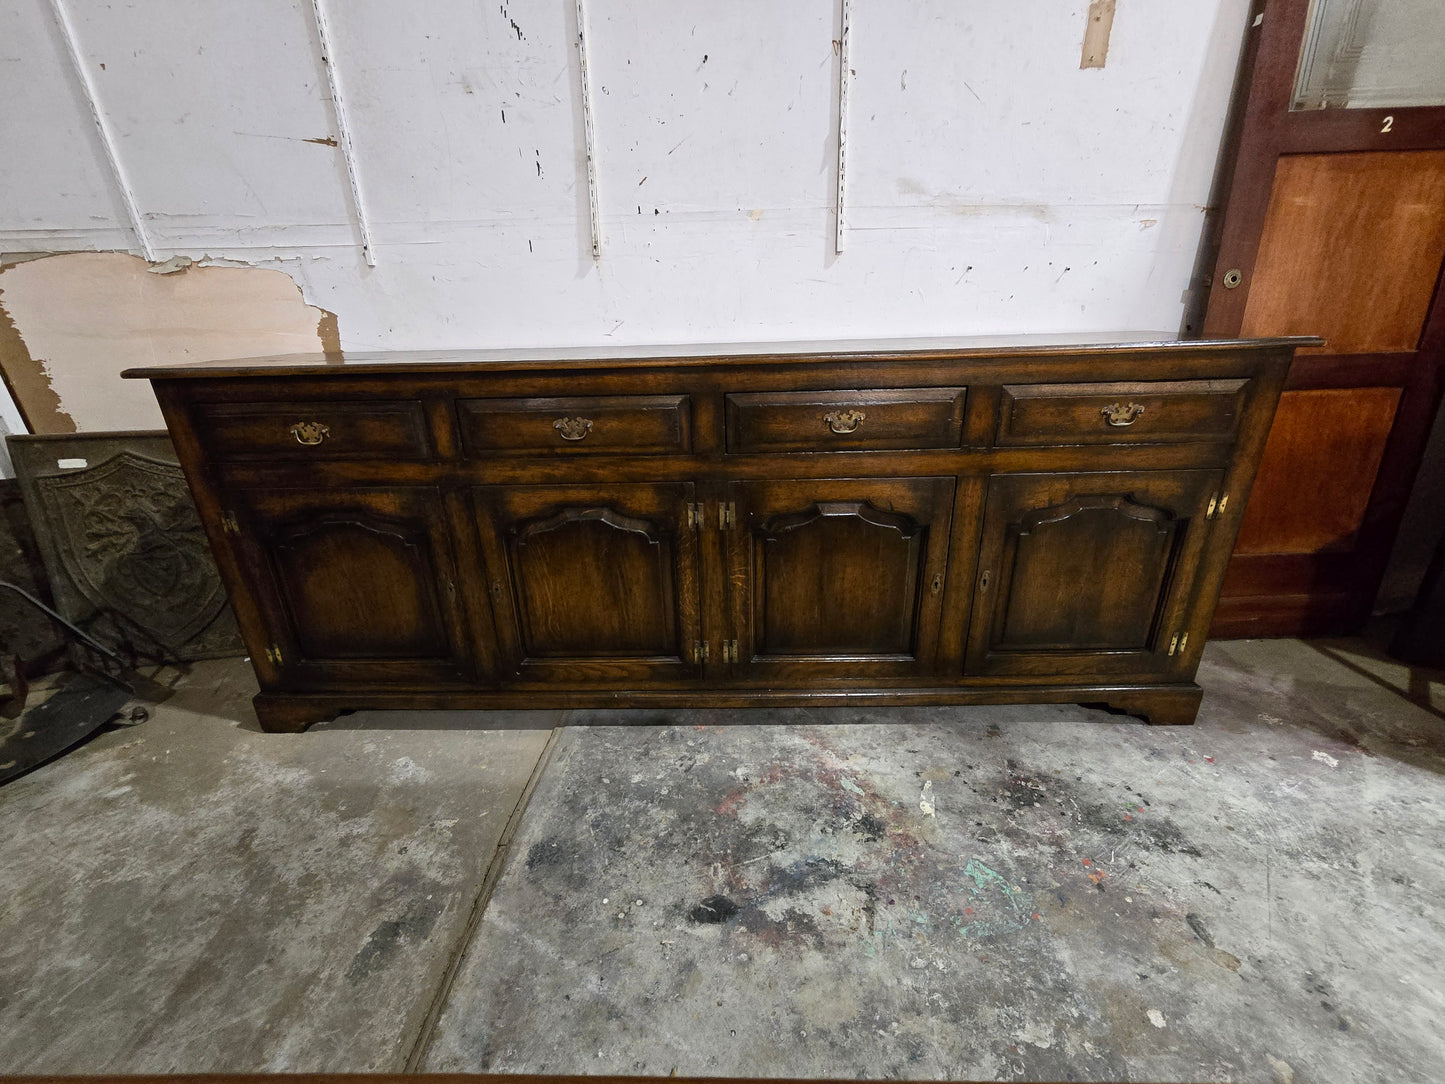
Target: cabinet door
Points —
{"points": [[1087, 575], [592, 584], [837, 578], [358, 586]]}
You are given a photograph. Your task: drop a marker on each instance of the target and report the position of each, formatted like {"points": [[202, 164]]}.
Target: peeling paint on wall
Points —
{"points": [[70, 323]]}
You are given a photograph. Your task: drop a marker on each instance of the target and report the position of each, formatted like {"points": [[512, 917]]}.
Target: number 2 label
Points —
{"points": [[1389, 123]]}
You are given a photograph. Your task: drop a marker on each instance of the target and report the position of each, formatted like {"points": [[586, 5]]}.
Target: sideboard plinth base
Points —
{"points": [[291, 713], [1169, 706]]}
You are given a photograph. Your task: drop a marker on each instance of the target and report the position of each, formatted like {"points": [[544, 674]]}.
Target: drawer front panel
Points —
{"points": [[322, 430], [1136, 413], [585, 425], [852, 420]]}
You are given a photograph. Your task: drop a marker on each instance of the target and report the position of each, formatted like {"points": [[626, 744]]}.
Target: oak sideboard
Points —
{"points": [[898, 522]]}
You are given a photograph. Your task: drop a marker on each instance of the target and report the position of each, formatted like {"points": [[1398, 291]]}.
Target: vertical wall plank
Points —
{"points": [[343, 130], [845, 82], [588, 136], [107, 137]]}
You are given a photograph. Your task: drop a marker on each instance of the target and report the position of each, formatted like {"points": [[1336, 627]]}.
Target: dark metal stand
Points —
{"points": [[88, 698]]}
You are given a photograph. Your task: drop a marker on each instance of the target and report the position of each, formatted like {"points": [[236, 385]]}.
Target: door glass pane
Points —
{"points": [[1372, 54]]}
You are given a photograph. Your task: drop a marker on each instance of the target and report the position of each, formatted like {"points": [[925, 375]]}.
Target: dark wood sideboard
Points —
{"points": [[918, 522]]}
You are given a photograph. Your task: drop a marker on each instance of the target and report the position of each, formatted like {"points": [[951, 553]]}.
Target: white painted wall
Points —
{"points": [[993, 186]]}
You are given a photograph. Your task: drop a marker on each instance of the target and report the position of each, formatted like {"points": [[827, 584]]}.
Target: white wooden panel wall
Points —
{"points": [[993, 186]]}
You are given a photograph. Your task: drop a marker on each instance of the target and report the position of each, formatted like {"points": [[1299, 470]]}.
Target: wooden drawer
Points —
{"points": [[585, 425], [853, 420], [1175, 411], [315, 430]]}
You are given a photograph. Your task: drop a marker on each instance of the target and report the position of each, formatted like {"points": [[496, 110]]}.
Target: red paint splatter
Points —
{"points": [[728, 807]]}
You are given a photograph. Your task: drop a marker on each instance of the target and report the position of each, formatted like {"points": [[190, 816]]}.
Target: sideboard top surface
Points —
{"points": [[554, 358]]}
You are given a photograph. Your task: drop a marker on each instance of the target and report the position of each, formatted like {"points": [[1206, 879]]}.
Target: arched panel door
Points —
{"points": [[837, 578], [357, 585], [1083, 574], [592, 584]]}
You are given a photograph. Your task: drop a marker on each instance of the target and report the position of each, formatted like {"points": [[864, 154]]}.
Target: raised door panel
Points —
{"points": [[1087, 575], [1350, 249], [357, 586], [592, 584], [837, 578], [1319, 469]]}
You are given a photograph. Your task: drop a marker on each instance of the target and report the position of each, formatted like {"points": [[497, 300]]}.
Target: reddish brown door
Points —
{"points": [[1334, 226], [592, 584], [1088, 575], [837, 578], [355, 585]]}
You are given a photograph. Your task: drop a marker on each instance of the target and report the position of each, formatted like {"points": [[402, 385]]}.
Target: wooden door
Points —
{"points": [[592, 584], [356, 586], [1088, 575], [836, 578], [1334, 226]]}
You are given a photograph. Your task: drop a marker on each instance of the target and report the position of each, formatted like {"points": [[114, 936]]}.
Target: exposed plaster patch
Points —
{"points": [[74, 321], [26, 379], [1096, 34], [328, 330]]}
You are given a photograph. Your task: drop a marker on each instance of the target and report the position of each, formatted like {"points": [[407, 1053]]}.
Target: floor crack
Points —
{"points": [[422, 1044]]}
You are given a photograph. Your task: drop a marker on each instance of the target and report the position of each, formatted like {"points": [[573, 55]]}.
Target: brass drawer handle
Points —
{"points": [[844, 421], [573, 428], [310, 432], [1119, 416]]}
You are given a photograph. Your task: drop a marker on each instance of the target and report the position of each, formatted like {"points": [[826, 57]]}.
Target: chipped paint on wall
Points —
{"points": [[70, 323]]}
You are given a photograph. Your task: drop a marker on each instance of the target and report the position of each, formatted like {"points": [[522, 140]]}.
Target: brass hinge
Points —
{"points": [[727, 515], [730, 651], [694, 516], [229, 524], [273, 654], [699, 651], [1217, 502], [1179, 643]]}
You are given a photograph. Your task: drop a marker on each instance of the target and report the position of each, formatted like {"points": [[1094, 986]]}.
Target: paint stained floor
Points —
{"points": [[965, 893]]}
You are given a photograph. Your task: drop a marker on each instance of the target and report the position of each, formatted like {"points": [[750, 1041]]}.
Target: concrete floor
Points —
{"points": [[970, 893]]}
